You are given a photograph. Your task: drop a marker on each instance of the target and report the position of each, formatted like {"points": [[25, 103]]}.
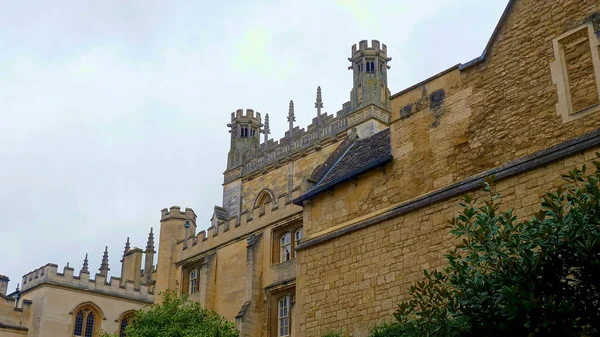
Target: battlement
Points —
{"points": [[363, 46], [175, 213], [235, 227], [247, 114], [272, 152], [49, 274]]}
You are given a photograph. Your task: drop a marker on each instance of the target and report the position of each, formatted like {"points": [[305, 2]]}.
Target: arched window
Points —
{"points": [[86, 322], [297, 237], [382, 93], [284, 316], [263, 198], [125, 321], [285, 247]]}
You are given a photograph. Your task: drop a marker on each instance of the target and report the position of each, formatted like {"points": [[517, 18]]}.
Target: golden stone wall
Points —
{"points": [[276, 180], [14, 320], [53, 308], [355, 281], [449, 128]]}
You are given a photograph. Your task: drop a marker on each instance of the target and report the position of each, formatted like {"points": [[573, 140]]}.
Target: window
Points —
{"points": [[125, 321], [193, 281], [284, 316], [370, 66], [286, 247], [360, 67], [297, 237], [576, 72], [85, 322]]}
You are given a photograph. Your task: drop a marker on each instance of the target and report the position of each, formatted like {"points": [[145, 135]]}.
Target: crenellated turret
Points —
{"points": [[172, 231], [245, 129], [369, 65]]}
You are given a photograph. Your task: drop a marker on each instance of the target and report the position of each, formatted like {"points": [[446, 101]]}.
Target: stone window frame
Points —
{"points": [[126, 318], [272, 297], [285, 247], [87, 307], [193, 281], [187, 270], [277, 234], [297, 239], [280, 317], [564, 107]]}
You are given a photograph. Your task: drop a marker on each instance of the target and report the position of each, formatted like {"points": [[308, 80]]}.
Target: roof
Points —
{"points": [[356, 157]]}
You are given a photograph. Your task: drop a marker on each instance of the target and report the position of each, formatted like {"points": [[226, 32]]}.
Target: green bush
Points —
{"points": [[178, 317]]}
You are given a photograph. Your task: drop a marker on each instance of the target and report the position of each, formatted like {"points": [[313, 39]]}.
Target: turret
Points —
{"points": [[245, 129], [369, 69], [172, 231]]}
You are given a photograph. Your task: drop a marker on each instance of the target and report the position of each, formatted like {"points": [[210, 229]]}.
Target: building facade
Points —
{"points": [[51, 303], [326, 228]]}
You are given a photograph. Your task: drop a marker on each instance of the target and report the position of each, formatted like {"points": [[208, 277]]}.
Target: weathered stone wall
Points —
{"points": [[52, 309], [276, 179], [461, 123], [230, 279], [14, 320], [355, 281]]}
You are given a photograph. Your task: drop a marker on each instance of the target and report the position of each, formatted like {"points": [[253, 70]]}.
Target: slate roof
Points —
{"points": [[357, 157]]}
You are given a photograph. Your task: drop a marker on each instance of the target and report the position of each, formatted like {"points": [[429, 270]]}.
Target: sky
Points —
{"points": [[111, 110]]}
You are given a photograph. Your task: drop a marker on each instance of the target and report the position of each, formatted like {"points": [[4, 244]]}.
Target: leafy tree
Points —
{"points": [[178, 317], [511, 277]]}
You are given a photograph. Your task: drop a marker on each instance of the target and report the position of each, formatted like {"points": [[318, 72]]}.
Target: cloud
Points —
{"points": [[256, 54]]}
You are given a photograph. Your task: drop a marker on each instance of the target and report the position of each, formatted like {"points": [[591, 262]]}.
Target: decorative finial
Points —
{"points": [[85, 268], [67, 264], [291, 116], [18, 289], [150, 244], [126, 247], [319, 102], [104, 265], [266, 129]]}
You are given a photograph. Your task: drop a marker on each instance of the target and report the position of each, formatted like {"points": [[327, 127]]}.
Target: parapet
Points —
{"points": [[49, 274], [323, 129], [175, 213], [248, 113], [363, 46], [248, 221]]}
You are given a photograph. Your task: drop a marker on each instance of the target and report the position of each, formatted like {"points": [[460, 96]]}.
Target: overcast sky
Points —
{"points": [[112, 110]]}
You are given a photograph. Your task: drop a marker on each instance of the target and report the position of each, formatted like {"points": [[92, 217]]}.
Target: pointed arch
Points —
{"points": [[124, 321], [88, 303], [87, 320], [264, 197]]}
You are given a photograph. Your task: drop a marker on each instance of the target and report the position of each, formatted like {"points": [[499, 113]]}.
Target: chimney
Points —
{"points": [[132, 267], [3, 284]]}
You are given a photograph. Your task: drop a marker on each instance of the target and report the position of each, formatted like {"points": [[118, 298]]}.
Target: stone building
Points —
{"points": [[52, 303], [326, 228]]}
